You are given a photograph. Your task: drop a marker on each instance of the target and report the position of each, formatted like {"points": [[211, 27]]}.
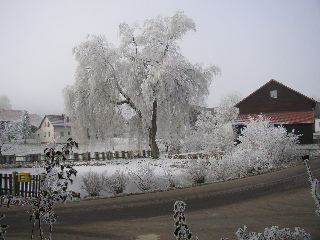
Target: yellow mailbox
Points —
{"points": [[23, 177]]}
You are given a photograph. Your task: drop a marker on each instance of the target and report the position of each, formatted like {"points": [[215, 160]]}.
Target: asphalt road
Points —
{"points": [[213, 211]]}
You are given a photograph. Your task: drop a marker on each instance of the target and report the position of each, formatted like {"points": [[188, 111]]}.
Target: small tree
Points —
{"points": [[54, 185], [5, 103], [9, 133], [25, 126]]}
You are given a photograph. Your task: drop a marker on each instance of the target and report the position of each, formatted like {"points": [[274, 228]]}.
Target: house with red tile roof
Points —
{"points": [[54, 128], [283, 106]]}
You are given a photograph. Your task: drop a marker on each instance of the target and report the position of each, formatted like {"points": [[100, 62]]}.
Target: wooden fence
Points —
{"points": [[9, 185], [13, 159]]}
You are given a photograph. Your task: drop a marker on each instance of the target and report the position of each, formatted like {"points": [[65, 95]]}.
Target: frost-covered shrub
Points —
{"points": [[168, 175], [117, 182], [197, 170], [230, 166], [266, 144], [93, 182], [274, 233], [144, 177]]}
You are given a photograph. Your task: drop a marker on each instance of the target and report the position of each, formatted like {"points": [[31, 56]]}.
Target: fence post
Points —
{"points": [[14, 183]]}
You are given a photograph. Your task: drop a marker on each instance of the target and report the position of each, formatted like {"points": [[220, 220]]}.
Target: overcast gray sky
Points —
{"points": [[251, 41]]}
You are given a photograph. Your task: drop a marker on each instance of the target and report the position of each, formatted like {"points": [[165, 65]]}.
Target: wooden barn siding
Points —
{"points": [[305, 129], [287, 101]]}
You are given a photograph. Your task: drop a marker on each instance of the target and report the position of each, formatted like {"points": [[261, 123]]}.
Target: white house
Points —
{"points": [[54, 128]]}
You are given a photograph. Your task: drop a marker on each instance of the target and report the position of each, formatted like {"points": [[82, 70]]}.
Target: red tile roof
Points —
{"points": [[279, 118]]}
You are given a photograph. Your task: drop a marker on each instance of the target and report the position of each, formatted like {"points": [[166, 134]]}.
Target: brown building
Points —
{"points": [[283, 106]]}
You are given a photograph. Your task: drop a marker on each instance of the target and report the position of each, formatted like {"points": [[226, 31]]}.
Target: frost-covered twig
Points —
{"points": [[314, 187], [274, 233], [182, 231], [3, 228]]}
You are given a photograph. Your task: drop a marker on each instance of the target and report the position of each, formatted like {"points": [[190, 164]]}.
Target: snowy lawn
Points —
{"points": [[178, 170], [110, 166]]}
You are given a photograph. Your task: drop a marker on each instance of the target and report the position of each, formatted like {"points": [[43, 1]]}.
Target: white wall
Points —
{"points": [[62, 134], [45, 133], [317, 125]]}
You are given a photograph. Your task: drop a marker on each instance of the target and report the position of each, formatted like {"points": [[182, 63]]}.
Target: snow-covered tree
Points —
{"points": [[9, 132], [226, 110], [147, 74], [215, 130], [5, 103], [25, 126]]}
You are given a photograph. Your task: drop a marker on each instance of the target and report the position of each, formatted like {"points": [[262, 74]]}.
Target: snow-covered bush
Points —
{"points": [[197, 170], [265, 145], [144, 177], [274, 233], [93, 183], [230, 166], [117, 182], [168, 175]]}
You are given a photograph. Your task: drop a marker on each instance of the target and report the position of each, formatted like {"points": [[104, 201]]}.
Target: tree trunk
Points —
{"points": [[153, 132]]}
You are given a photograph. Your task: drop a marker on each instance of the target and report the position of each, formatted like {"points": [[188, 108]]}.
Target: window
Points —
{"points": [[45, 124], [45, 134], [273, 94], [69, 133], [48, 124], [61, 134], [48, 134]]}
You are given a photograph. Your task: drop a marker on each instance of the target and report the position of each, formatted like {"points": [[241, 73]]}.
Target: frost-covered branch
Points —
{"points": [[314, 187]]}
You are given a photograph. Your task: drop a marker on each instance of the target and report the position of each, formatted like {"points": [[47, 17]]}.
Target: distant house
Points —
{"points": [[15, 115], [283, 106], [54, 128]]}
